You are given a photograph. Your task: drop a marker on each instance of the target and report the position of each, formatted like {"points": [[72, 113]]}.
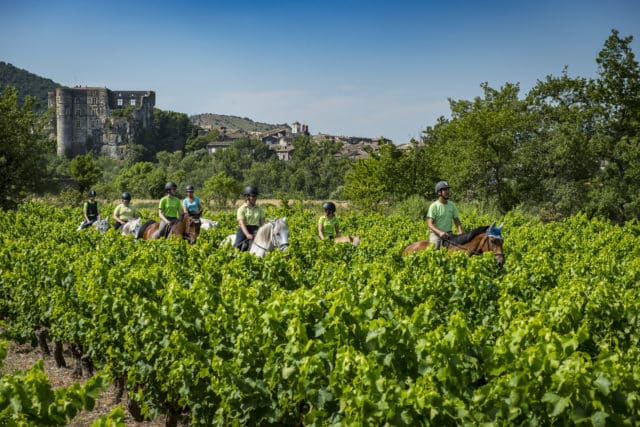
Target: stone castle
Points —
{"points": [[87, 119]]}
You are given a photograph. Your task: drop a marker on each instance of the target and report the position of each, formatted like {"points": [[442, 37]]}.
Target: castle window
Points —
{"points": [[132, 102], [119, 102]]}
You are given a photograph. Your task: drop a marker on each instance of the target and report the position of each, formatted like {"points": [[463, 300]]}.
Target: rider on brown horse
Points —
{"points": [[442, 213], [168, 209]]}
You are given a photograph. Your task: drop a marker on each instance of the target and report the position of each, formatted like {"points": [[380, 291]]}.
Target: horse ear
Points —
{"points": [[501, 225], [493, 224]]}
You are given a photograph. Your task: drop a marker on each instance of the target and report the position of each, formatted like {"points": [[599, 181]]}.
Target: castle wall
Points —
{"points": [[83, 123]]}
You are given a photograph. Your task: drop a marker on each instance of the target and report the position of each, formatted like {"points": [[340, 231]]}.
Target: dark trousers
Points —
{"points": [[241, 241]]}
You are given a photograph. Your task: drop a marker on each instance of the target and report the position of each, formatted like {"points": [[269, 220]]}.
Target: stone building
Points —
{"points": [[87, 119]]}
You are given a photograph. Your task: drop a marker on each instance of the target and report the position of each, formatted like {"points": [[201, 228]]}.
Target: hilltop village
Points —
{"points": [[104, 120]]}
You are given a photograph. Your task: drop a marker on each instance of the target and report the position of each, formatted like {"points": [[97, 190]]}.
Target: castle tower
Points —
{"points": [[83, 119]]}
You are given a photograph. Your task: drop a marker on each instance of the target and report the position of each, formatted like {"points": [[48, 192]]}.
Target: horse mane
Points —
{"points": [[461, 239], [263, 235]]}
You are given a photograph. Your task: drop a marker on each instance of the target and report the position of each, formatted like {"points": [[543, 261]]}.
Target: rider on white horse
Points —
{"points": [[124, 212], [250, 218], [90, 211]]}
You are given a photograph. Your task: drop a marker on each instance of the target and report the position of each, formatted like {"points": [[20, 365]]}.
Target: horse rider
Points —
{"points": [[124, 212], [191, 204], [250, 218], [328, 224], [169, 208], [442, 213], [90, 210]]}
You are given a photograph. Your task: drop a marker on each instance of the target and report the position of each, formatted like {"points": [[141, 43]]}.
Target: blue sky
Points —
{"points": [[356, 68]]}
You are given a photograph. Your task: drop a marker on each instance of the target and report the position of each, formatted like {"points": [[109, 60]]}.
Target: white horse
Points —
{"points": [[132, 227], [273, 234], [102, 224], [206, 224]]}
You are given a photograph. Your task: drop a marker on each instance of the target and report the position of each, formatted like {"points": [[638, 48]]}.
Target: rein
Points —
{"points": [[272, 240], [473, 251]]}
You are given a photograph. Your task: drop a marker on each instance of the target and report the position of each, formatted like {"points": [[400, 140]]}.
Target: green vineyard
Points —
{"points": [[332, 334]]}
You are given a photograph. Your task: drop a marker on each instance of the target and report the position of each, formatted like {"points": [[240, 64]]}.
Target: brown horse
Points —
{"points": [[187, 227], [476, 242], [354, 240]]}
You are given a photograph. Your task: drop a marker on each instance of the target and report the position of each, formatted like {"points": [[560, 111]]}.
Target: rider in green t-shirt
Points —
{"points": [[250, 218], [328, 224], [168, 209], [442, 213], [124, 212]]}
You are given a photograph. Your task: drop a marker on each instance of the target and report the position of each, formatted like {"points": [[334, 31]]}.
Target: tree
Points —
{"points": [[220, 188], [557, 163], [23, 150], [475, 148], [85, 171], [617, 93], [142, 180]]}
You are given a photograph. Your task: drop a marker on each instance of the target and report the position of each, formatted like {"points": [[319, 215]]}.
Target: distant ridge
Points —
{"points": [[216, 121], [38, 87], [27, 84]]}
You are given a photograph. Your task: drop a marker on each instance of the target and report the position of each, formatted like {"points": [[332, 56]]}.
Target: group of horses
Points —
{"points": [[274, 234]]}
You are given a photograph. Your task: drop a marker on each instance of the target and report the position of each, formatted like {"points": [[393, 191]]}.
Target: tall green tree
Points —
{"points": [[617, 93], [221, 189], [142, 180], [555, 166], [23, 150], [85, 172], [474, 149]]}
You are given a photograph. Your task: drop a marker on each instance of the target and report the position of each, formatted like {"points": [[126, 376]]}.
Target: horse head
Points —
{"points": [[102, 224], [191, 228], [132, 227], [280, 233], [493, 242]]}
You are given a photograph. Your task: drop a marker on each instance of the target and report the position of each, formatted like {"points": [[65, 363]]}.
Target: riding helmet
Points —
{"points": [[92, 193], [170, 186], [189, 188], [329, 206], [250, 190], [126, 196], [441, 186]]}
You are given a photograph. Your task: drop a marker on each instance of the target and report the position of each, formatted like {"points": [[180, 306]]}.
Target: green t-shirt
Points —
{"points": [[125, 213], [170, 206], [250, 215], [443, 214], [329, 226]]}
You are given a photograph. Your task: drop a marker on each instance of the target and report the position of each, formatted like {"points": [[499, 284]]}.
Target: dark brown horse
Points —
{"points": [[187, 227], [482, 239]]}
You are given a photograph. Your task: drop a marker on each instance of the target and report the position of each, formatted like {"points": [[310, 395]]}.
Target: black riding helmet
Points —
{"points": [[190, 188], [170, 186], [126, 196], [92, 193], [250, 190], [329, 206], [441, 186]]}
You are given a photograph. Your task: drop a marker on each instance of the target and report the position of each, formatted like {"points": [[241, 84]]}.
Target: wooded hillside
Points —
{"points": [[27, 84]]}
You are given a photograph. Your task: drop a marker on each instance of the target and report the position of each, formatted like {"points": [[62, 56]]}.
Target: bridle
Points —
{"points": [[191, 221], [477, 250], [273, 239]]}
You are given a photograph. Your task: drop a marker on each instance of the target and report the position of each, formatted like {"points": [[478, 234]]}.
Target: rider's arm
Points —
{"points": [[84, 212], [458, 224], [162, 217], [244, 229], [321, 230], [433, 228], [116, 217]]}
